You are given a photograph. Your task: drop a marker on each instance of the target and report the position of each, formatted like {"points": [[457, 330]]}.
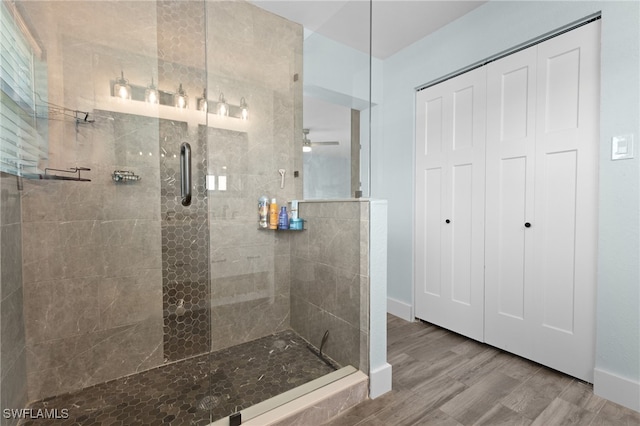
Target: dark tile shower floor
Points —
{"points": [[193, 391]]}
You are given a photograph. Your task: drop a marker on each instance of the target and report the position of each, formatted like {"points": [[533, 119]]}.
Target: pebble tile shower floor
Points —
{"points": [[182, 393]]}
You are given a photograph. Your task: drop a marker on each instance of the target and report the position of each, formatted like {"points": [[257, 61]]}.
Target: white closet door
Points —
{"points": [[565, 225], [542, 140], [450, 149], [511, 113]]}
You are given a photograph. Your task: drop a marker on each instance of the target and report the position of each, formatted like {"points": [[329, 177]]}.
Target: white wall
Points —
{"points": [[336, 73], [326, 177], [379, 369], [492, 28]]}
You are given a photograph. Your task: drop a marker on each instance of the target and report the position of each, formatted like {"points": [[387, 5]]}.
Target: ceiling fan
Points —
{"points": [[307, 144]]}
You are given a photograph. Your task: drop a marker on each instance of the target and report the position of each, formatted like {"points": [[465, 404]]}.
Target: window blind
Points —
{"points": [[23, 145]]}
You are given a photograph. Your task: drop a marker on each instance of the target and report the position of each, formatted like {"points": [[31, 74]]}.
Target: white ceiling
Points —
{"points": [[396, 23]]}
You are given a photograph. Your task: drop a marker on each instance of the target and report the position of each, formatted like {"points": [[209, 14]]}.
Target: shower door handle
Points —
{"points": [[185, 173]]}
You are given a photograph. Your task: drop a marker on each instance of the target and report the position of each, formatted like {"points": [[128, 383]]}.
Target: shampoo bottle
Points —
{"points": [[273, 214]]}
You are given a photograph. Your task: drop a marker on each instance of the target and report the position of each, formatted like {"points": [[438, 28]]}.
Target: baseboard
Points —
{"points": [[400, 309], [617, 389], [380, 381]]}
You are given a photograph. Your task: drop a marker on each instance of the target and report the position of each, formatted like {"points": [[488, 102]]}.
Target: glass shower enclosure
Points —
{"points": [[136, 285]]}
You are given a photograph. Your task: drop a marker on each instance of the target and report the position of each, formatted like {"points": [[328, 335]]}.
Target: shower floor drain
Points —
{"points": [[208, 403]]}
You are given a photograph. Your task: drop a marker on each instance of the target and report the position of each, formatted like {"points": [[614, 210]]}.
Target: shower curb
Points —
{"points": [[315, 407]]}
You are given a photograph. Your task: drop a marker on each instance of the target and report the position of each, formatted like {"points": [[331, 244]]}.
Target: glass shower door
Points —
{"points": [[273, 298], [115, 285], [254, 88]]}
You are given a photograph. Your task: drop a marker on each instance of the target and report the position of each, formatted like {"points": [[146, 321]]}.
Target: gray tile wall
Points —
{"points": [[13, 373], [92, 263], [329, 279]]}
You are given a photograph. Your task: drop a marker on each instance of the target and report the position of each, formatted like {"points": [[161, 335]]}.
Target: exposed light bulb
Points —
{"points": [[244, 109], [222, 106], [306, 143], [123, 92], [202, 103], [180, 98], [121, 87], [151, 94]]}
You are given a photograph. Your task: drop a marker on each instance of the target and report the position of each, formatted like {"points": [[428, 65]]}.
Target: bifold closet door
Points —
{"points": [[542, 169], [567, 134], [511, 118], [449, 212]]}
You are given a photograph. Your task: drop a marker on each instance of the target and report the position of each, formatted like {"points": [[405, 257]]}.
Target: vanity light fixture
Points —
{"points": [[151, 93], [180, 98], [121, 88], [223, 108], [244, 109]]}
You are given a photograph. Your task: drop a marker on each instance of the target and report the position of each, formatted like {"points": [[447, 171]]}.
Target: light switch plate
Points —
{"points": [[211, 182], [222, 183], [622, 147]]}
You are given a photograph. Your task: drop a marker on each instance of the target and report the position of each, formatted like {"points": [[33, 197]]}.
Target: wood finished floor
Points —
{"points": [[442, 378]]}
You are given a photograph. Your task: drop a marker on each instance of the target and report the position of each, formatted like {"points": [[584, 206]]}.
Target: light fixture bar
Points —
{"points": [[153, 95]]}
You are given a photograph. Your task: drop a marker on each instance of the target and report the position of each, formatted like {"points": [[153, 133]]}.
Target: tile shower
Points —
{"points": [[103, 283]]}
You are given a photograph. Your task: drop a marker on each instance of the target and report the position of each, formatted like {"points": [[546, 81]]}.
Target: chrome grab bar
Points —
{"points": [[185, 173]]}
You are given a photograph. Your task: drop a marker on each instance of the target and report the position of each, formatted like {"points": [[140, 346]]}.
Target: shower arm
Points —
{"points": [[185, 173]]}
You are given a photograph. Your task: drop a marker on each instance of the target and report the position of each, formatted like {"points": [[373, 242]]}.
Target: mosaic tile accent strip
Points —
{"points": [[185, 237], [194, 391]]}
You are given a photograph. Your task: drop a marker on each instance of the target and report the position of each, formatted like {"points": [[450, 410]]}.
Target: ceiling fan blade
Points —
{"points": [[325, 143], [308, 143]]}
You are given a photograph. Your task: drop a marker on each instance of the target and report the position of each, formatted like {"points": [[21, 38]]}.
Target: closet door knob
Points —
{"points": [[447, 221], [527, 225]]}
